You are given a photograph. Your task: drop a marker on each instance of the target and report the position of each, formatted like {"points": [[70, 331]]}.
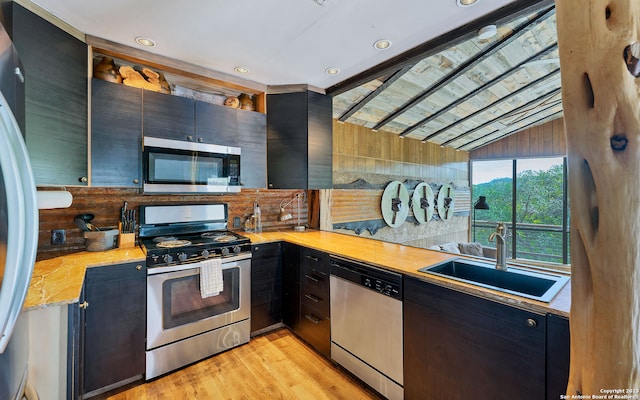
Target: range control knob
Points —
{"points": [[205, 253], [236, 249], [182, 256], [225, 251], [167, 258]]}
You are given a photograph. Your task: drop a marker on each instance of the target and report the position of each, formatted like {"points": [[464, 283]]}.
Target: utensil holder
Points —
{"points": [[126, 240]]}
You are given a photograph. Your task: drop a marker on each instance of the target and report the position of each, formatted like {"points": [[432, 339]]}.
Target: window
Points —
{"points": [[530, 196]]}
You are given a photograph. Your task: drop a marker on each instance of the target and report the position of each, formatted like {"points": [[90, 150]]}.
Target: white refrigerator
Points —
{"points": [[18, 225]]}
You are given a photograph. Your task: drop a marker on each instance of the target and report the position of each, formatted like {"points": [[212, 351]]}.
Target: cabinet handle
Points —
{"points": [[312, 298], [138, 267], [199, 140], [311, 277], [19, 74], [531, 323], [312, 258], [312, 318], [190, 138], [84, 305], [82, 179], [136, 181]]}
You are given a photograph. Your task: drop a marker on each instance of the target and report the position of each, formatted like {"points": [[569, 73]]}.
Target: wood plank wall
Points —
{"points": [[380, 157], [105, 204], [546, 140]]}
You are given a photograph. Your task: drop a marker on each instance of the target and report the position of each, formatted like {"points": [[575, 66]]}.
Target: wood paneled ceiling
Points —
{"points": [[466, 94]]}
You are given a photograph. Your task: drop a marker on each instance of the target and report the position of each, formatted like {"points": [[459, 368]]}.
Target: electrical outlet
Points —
{"points": [[58, 236], [236, 222]]}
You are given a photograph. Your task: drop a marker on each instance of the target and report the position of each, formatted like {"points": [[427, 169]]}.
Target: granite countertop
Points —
{"points": [[58, 281]]}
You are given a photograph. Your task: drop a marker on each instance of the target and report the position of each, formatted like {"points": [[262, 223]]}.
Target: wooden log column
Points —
{"points": [[601, 98]]}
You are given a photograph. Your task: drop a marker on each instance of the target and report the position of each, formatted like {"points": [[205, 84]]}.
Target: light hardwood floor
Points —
{"points": [[276, 365]]}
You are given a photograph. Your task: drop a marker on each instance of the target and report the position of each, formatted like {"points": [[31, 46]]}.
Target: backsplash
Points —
{"points": [[105, 204]]}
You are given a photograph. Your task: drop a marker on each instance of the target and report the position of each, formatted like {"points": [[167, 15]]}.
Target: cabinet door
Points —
{"points": [[266, 285], [252, 140], [168, 117], [320, 141], [558, 355], [458, 346], [287, 140], [55, 69], [116, 134], [216, 124], [75, 348], [291, 286], [115, 324]]}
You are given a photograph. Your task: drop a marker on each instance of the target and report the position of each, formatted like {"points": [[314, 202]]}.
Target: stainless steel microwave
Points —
{"points": [[174, 166]]}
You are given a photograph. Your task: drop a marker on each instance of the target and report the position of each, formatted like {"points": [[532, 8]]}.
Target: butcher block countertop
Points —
{"points": [[407, 260], [58, 281]]}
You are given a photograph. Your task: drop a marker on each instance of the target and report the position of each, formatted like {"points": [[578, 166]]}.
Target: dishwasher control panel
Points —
{"points": [[381, 286], [377, 279]]}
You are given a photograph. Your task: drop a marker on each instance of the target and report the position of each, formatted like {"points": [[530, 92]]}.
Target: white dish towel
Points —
{"points": [[211, 283]]}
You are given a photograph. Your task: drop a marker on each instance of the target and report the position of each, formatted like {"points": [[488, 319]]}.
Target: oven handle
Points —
{"points": [[226, 263]]}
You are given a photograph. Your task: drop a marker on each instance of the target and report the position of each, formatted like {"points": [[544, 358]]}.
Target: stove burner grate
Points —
{"points": [[173, 243]]}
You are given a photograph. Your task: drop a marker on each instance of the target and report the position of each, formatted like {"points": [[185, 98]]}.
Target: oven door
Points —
{"points": [[176, 310]]}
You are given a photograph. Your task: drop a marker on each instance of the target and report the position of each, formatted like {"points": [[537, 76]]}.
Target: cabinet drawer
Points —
{"points": [[314, 282], [315, 260], [316, 330], [315, 296]]}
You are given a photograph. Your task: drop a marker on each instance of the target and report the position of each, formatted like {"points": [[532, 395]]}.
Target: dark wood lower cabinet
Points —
{"points": [[291, 286], [558, 352], [458, 346], [266, 285], [114, 335]]}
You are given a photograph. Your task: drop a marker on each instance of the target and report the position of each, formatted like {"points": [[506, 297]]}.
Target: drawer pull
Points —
{"points": [[311, 277], [531, 323], [312, 258], [312, 318], [312, 298]]}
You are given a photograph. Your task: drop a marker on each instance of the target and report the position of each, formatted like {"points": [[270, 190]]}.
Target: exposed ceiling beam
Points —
{"points": [[479, 89], [537, 110], [547, 117], [357, 106], [456, 36], [466, 66], [500, 100], [500, 117]]}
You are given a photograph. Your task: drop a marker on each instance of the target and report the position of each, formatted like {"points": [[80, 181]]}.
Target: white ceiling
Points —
{"points": [[280, 41]]}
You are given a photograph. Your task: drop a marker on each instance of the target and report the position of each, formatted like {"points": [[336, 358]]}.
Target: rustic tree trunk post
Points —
{"points": [[601, 99]]}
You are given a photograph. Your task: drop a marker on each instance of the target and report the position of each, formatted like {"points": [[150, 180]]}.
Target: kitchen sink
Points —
{"points": [[541, 286]]}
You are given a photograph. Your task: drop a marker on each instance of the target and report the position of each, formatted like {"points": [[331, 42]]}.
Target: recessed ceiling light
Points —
{"points": [[382, 44], [487, 32], [241, 70], [466, 3], [332, 71], [145, 41]]}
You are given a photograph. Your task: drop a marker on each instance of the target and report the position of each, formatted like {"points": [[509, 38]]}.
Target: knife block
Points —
{"points": [[126, 240]]}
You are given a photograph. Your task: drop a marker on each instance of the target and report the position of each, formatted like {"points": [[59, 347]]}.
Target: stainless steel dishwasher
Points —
{"points": [[366, 324]]}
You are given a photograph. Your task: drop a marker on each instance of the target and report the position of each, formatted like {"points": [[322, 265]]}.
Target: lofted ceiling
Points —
{"points": [[438, 81]]}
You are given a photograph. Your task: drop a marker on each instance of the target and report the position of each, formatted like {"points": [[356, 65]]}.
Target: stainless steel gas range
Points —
{"points": [[185, 323]]}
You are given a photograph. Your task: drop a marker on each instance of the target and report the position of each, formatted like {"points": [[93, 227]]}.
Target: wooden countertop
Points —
{"points": [[58, 281], [407, 260]]}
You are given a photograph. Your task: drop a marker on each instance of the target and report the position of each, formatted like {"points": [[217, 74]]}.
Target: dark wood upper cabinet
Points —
{"points": [[252, 140], [168, 117], [299, 140], [55, 69], [216, 124], [116, 135]]}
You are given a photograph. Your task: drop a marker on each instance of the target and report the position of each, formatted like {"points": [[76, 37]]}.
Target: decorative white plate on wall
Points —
{"points": [[446, 202], [423, 202], [395, 204]]}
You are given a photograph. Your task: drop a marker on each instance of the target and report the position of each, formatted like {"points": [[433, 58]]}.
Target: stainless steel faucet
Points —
{"points": [[501, 247]]}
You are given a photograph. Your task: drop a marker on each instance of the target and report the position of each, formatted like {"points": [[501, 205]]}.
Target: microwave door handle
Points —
{"points": [[22, 222]]}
